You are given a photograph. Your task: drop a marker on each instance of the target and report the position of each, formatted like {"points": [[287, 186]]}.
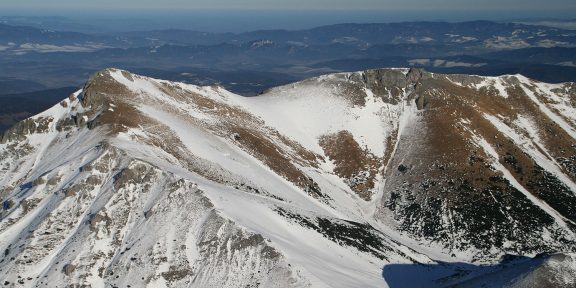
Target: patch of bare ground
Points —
{"points": [[454, 178], [447, 138], [558, 143], [300, 154], [23, 128], [115, 107], [524, 169], [210, 106], [248, 132], [357, 166], [123, 116], [270, 154], [109, 103], [386, 84], [391, 142], [276, 151], [163, 137], [567, 97]]}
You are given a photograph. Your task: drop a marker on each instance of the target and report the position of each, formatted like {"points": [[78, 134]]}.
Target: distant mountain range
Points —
{"points": [[35, 59]]}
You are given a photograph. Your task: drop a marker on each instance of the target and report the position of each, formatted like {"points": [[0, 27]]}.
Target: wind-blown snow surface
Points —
{"points": [[143, 182]]}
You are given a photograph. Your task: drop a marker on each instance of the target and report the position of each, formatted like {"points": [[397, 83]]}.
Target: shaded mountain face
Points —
{"points": [[344, 180]]}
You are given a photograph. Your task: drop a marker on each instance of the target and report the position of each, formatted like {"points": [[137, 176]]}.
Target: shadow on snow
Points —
{"points": [[444, 274]]}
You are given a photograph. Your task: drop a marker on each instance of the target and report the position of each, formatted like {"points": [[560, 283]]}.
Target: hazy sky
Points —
{"points": [[523, 5]]}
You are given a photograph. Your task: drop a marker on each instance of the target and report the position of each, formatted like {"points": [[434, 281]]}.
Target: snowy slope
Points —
{"points": [[322, 183]]}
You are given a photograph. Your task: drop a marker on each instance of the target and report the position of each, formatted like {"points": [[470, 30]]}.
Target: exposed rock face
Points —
{"points": [[19, 131], [68, 269], [137, 181], [100, 90], [414, 75]]}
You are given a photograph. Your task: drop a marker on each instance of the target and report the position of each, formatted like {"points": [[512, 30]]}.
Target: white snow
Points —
{"points": [[499, 167], [293, 111], [532, 146], [568, 127], [302, 112]]}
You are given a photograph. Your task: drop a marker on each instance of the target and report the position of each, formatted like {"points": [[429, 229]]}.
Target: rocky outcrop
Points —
{"points": [[414, 75], [24, 128], [68, 269], [99, 89]]}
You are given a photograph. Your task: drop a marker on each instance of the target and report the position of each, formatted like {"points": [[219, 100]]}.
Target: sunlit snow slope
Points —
{"points": [[345, 180]]}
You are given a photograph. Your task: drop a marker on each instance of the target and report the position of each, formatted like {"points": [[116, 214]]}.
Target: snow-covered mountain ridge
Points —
{"points": [[328, 182]]}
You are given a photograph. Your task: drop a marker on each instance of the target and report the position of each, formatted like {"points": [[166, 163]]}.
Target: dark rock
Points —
{"points": [[68, 269], [65, 124], [402, 168], [148, 213], [38, 181], [414, 75], [19, 131], [97, 91], [421, 101], [97, 218], [8, 204]]}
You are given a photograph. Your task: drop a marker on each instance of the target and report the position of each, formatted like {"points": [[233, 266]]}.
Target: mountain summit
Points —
{"points": [[344, 180]]}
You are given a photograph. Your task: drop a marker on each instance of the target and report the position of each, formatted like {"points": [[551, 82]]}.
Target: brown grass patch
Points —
{"points": [[266, 151], [356, 165]]}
